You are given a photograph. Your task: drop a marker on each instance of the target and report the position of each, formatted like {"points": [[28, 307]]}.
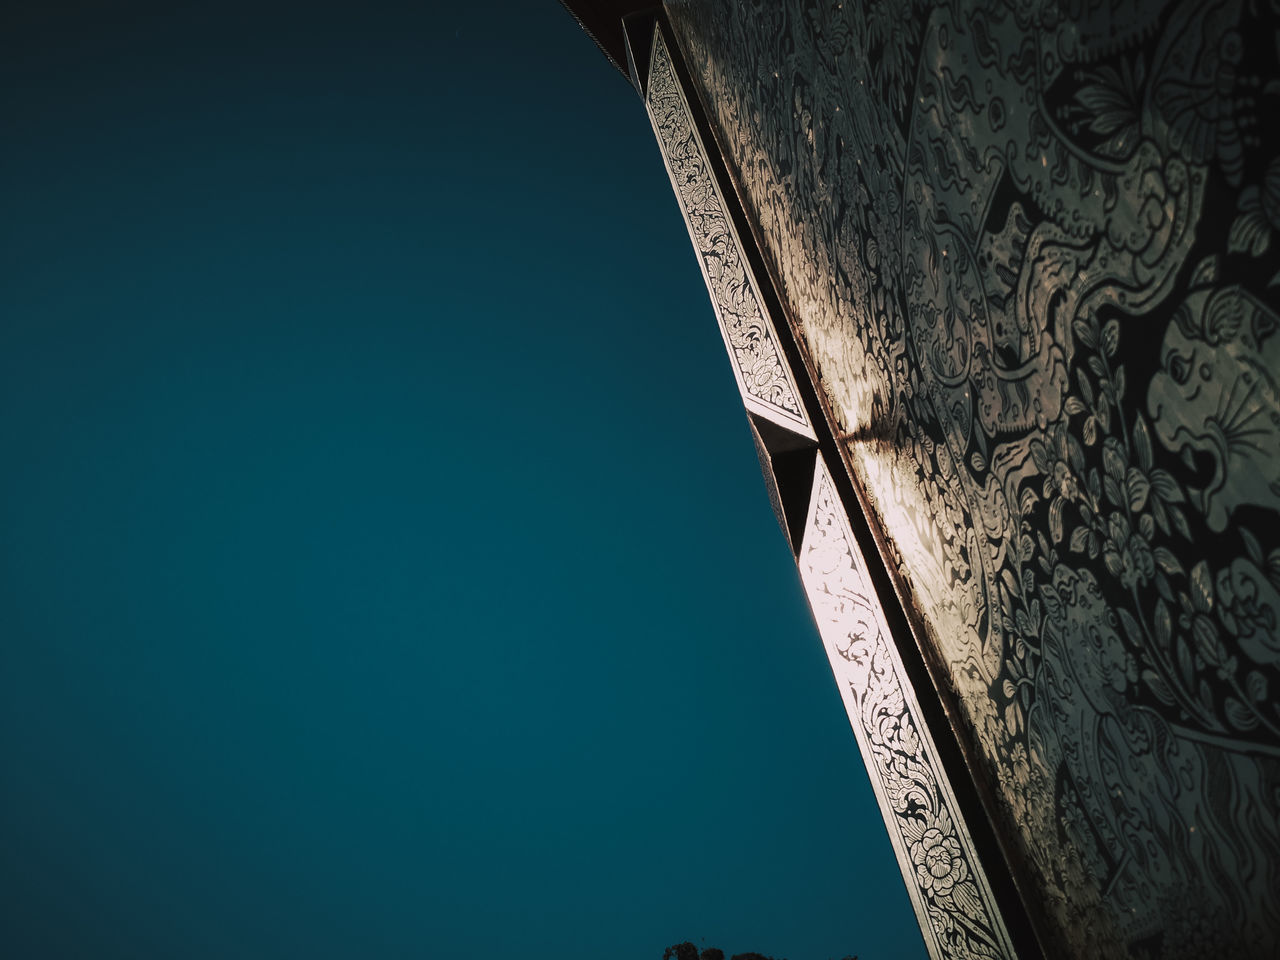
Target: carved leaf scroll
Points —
{"points": [[948, 888], [766, 382]]}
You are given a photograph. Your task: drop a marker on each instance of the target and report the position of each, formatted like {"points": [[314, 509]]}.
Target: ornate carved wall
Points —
{"points": [[1032, 254], [945, 878]]}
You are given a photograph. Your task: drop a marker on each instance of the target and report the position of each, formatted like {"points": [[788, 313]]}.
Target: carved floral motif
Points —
{"points": [[946, 883], [761, 371], [1032, 249]]}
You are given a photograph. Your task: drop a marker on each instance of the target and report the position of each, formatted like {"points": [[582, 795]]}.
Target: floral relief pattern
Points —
{"points": [[945, 880], [1032, 249], [762, 372]]}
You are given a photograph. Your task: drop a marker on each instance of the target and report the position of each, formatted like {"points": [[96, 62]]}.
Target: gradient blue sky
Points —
{"points": [[386, 570]]}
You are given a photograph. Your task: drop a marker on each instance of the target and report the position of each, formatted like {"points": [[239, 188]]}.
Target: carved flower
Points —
{"points": [[1127, 554], [1248, 606], [1071, 814], [1059, 458], [1019, 764], [1111, 100], [938, 861], [765, 369], [1064, 481]]}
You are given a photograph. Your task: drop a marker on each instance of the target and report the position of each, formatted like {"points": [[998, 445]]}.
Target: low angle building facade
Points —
{"points": [[999, 284]]}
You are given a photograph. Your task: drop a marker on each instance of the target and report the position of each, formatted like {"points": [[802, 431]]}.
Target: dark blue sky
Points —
{"points": [[386, 568]]}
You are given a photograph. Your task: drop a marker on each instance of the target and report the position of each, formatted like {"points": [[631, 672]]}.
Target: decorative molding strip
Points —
{"points": [[948, 887], [764, 377], [945, 880]]}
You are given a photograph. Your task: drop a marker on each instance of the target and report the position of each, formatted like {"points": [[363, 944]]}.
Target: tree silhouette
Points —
{"points": [[687, 951]]}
